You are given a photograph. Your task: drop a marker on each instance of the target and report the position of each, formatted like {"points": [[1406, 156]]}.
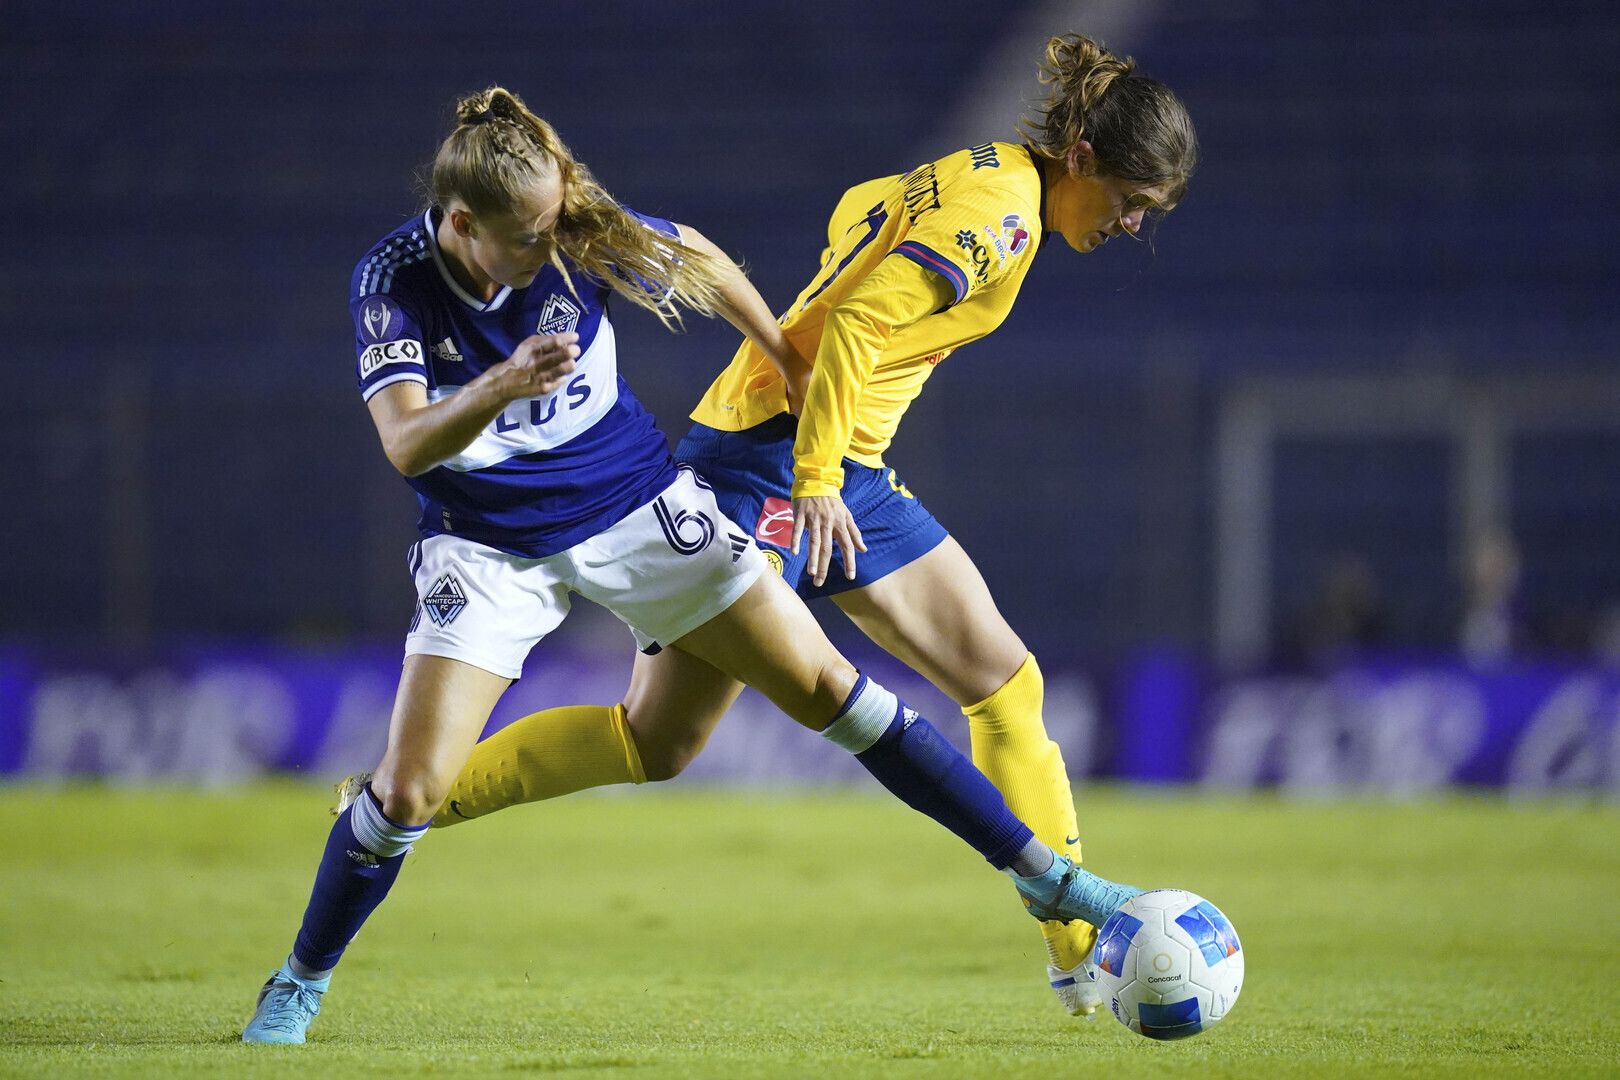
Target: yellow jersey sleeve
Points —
{"points": [[856, 332], [972, 239], [952, 240]]}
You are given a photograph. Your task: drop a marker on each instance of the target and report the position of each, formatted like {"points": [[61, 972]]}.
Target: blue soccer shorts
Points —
{"points": [[752, 475]]}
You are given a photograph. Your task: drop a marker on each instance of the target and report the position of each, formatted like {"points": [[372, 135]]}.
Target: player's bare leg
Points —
{"points": [[936, 615], [440, 708], [674, 702], [769, 640]]}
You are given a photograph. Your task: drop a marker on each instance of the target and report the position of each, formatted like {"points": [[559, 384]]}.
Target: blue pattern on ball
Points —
{"points": [[1176, 1020], [1210, 931], [1114, 941]]}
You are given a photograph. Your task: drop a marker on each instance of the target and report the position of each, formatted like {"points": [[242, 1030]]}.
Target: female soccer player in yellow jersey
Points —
{"points": [[915, 267]]}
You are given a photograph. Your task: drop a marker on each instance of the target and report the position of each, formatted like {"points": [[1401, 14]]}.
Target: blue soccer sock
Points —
{"points": [[915, 762], [362, 859]]}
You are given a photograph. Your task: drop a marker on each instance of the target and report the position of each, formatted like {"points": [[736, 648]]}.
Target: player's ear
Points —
{"points": [[1082, 159], [462, 221]]}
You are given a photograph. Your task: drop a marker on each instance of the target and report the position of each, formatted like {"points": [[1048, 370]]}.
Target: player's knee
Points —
{"points": [[835, 680], [985, 669], [408, 798], [668, 759]]}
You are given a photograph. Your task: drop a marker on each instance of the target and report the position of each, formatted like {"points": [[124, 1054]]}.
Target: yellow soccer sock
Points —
{"points": [[1011, 748], [544, 755]]}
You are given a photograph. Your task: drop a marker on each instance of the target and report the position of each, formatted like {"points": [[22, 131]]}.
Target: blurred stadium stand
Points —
{"points": [[1388, 189]]}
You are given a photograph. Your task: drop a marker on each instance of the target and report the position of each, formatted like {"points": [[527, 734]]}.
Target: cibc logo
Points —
{"points": [[390, 352]]}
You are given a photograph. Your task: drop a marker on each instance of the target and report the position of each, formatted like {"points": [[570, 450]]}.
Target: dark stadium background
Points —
{"points": [[1400, 248], [1310, 510]]}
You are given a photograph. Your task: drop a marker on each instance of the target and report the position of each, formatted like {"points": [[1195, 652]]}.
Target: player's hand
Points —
{"points": [[824, 520], [538, 365]]}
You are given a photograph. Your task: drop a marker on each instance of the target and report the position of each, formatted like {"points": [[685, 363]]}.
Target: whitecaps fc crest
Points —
{"points": [[445, 600], [558, 316]]}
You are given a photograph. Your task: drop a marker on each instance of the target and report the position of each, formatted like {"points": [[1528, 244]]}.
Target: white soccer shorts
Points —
{"points": [[665, 570]]}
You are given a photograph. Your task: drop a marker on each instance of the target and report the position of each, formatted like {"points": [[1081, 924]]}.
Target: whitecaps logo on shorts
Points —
{"points": [[445, 600]]}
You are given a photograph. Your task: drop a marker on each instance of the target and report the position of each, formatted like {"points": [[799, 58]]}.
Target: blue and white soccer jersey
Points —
{"points": [[549, 471], [570, 491]]}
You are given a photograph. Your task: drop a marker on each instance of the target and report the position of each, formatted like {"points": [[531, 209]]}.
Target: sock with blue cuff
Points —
{"points": [[362, 859], [915, 762]]}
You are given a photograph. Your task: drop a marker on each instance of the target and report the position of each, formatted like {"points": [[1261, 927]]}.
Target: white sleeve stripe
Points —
{"points": [[400, 264], [371, 266], [396, 252], [404, 376]]}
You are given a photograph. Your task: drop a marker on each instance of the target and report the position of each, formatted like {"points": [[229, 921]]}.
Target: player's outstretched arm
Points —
{"points": [[417, 435], [895, 295], [743, 307]]}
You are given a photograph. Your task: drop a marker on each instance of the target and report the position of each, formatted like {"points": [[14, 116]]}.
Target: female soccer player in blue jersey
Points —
{"points": [[486, 358], [915, 266]]}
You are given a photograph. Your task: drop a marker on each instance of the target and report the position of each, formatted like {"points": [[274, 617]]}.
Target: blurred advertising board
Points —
{"points": [[1387, 728]]}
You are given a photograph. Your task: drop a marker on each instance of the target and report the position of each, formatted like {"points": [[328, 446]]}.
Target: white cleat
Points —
{"points": [[1076, 989]]}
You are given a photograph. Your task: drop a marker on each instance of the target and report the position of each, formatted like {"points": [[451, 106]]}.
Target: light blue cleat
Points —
{"points": [[1066, 892], [287, 1004]]}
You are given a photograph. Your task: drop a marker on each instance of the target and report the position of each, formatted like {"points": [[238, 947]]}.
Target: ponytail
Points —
{"points": [[499, 150], [1137, 127]]}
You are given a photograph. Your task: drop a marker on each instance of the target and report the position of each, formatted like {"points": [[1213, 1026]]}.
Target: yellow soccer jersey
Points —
{"points": [[963, 230]]}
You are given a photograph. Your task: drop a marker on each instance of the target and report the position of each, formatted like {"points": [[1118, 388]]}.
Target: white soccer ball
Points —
{"points": [[1169, 964]]}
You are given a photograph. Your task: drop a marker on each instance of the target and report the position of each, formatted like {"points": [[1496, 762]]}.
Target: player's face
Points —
{"points": [[1105, 206], [510, 248]]}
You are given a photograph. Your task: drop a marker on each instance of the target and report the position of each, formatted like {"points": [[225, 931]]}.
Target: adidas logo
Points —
{"points": [[739, 544], [908, 716], [446, 350], [364, 858]]}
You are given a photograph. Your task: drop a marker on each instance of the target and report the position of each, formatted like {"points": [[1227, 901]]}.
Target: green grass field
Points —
{"points": [[703, 933]]}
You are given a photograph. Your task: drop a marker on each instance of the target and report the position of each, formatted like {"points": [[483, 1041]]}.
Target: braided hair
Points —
{"points": [[499, 150]]}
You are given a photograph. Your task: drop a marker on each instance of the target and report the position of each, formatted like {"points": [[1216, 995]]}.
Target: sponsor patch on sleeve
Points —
{"points": [[1014, 233], [977, 252], [382, 354]]}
